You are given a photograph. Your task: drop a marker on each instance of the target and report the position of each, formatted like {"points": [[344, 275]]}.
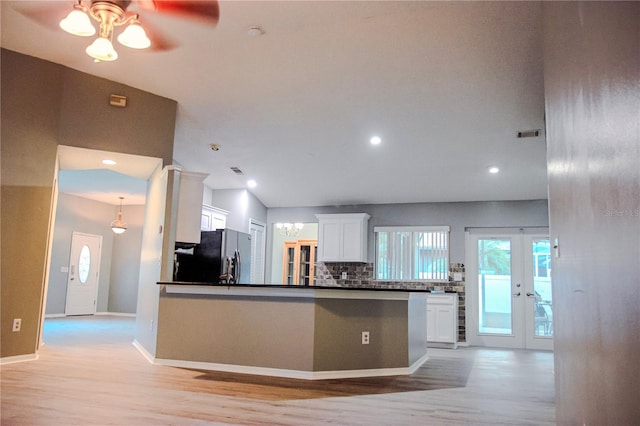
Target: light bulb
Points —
{"points": [[102, 50], [134, 36], [78, 23]]}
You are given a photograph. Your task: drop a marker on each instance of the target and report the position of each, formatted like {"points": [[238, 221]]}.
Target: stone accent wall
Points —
{"points": [[361, 275]]}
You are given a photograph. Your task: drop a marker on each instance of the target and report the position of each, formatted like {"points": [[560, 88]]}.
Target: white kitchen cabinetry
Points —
{"points": [[442, 320], [190, 206], [213, 218], [342, 237]]}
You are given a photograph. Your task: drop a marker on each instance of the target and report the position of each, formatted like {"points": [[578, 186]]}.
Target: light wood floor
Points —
{"points": [[89, 373]]}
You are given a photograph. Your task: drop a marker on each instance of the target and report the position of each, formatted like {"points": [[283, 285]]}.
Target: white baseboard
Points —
{"points": [[116, 314], [18, 358], [293, 374], [150, 358], [113, 314]]}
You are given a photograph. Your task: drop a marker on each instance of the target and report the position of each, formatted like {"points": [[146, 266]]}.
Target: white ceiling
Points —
{"points": [[445, 84], [83, 173]]}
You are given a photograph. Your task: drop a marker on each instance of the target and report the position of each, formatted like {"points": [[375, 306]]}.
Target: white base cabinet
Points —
{"points": [[442, 320]]}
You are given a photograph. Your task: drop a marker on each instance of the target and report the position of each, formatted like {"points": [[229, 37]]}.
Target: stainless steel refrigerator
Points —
{"points": [[223, 256]]}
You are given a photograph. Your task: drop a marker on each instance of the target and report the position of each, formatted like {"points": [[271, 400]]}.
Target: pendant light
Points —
{"points": [[118, 226]]}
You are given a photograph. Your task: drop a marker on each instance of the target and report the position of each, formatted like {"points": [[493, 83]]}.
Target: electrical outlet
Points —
{"points": [[344, 275], [365, 337], [17, 323]]}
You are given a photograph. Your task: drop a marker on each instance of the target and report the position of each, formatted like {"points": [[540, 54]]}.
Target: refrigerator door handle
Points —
{"points": [[238, 268]]}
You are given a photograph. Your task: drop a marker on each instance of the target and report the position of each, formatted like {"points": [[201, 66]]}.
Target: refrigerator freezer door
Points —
{"points": [[244, 250]]}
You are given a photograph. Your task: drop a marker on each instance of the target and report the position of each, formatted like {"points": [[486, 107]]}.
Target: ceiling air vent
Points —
{"points": [[529, 133], [237, 171]]}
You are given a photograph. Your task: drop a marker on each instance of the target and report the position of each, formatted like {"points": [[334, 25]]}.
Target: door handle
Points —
{"points": [[516, 294], [530, 294]]}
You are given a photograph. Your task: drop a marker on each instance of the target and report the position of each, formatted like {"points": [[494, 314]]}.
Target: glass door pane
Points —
{"points": [[305, 265], [315, 264], [543, 306], [290, 265], [494, 286]]}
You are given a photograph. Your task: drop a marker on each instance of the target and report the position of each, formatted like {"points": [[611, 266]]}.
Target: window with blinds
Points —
{"points": [[412, 253]]}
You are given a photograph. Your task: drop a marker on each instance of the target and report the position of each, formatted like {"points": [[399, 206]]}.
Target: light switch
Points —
{"points": [[64, 269], [457, 276]]}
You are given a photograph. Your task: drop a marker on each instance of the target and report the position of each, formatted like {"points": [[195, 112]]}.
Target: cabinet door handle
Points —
{"points": [[516, 294], [530, 294]]}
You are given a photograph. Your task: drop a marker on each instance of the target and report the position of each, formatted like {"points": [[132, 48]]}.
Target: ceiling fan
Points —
{"points": [[110, 14]]}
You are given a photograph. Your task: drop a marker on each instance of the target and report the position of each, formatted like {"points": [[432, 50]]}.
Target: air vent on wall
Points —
{"points": [[237, 171], [529, 133]]}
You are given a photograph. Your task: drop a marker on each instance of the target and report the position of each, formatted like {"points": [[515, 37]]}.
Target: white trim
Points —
{"points": [[215, 209], [145, 353], [303, 293], [444, 228], [55, 315], [117, 314], [18, 358], [294, 374]]}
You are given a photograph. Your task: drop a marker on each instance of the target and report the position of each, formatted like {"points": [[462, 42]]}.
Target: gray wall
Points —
{"points": [[592, 88], [120, 258], [125, 263], [241, 204], [458, 216]]}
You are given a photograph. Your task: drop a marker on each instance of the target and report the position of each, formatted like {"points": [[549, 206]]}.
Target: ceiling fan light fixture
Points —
{"points": [[78, 23], [134, 36], [102, 50]]}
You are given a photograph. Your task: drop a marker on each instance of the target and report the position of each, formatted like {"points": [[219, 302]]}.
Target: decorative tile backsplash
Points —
{"points": [[362, 275]]}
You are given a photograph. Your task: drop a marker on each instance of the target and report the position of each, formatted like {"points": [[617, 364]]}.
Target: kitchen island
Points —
{"points": [[291, 331]]}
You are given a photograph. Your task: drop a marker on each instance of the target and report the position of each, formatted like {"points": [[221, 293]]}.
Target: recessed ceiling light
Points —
{"points": [[255, 31], [251, 183], [493, 170], [108, 162], [375, 140]]}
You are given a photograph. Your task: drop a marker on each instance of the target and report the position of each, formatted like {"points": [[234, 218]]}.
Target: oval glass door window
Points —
{"points": [[84, 264]]}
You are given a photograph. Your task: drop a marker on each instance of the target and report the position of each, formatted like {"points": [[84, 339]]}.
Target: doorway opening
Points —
{"points": [[85, 202]]}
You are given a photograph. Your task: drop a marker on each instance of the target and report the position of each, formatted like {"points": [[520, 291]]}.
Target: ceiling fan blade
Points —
{"points": [[159, 42], [206, 11]]}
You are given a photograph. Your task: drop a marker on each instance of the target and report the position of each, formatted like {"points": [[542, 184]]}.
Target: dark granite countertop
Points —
{"points": [[406, 290]]}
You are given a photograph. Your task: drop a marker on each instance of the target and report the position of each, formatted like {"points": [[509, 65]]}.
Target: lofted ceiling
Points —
{"points": [[446, 85]]}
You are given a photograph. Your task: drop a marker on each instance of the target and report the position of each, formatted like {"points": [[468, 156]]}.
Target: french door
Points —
{"points": [[509, 290]]}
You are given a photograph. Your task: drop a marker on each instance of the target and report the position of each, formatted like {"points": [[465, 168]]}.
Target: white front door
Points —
{"points": [[84, 268], [509, 290]]}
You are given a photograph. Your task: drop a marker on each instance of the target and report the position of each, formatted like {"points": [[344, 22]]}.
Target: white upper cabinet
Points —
{"points": [[190, 207], [213, 218], [342, 237]]}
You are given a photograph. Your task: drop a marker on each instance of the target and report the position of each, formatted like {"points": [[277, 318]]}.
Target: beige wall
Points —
{"points": [[45, 105], [290, 333], [592, 88], [255, 332], [339, 327]]}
